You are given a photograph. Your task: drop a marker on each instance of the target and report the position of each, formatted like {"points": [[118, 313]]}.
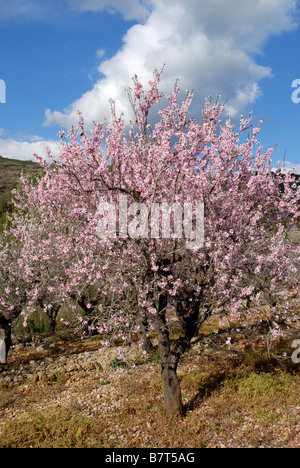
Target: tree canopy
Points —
{"points": [[218, 243]]}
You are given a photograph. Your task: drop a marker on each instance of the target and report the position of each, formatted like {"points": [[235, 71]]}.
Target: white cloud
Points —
{"points": [[15, 8], [36, 10], [131, 9], [289, 166], [208, 45], [25, 150], [100, 53], [31, 10], [3, 132]]}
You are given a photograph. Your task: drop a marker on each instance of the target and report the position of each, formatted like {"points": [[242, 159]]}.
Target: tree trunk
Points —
{"points": [[52, 315], [143, 332], [169, 363], [52, 322], [172, 390]]}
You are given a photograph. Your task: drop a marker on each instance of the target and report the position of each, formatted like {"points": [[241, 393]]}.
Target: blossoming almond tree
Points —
{"points": [[44, 256], [13, 291], [103, 190]]}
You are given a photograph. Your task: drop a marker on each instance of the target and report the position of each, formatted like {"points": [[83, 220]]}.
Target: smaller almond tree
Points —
{"points": [[42, 258], [104, 189], [13, 291]]}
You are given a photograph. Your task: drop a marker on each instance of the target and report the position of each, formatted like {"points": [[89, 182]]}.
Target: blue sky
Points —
{"points": [[60, 56]]}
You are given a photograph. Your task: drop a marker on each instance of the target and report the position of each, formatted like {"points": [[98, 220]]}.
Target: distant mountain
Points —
{"points": [[10, 172]]}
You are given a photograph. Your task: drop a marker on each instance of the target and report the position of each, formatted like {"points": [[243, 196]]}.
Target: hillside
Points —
{"points": [[10, 172]]}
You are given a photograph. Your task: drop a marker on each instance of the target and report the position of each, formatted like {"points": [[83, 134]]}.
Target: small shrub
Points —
{"points": [[117, 363]]}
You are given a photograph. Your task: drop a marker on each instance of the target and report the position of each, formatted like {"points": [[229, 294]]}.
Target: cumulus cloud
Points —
{"points": [[209, 46], [25, 150]]}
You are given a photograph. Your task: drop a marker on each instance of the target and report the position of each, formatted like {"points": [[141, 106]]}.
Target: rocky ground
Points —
{"points": [[63, 393], [50, 360]]}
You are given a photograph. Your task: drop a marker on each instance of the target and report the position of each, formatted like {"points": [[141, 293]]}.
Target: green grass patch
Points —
{"points": [[51, 428], [263, 389], [117, 364]]}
